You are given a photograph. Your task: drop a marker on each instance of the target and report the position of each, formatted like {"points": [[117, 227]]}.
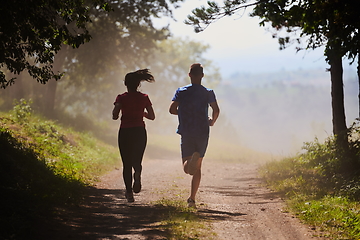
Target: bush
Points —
{"points": [[322, 184]]}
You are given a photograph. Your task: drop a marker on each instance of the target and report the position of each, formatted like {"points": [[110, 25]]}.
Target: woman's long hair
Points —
{"points": [[133, 79]]}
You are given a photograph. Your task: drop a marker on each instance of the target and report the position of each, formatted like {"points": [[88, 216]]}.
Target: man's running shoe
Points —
{"points": [[191, 203], [137, 183], [193, 163], [129, 196]]}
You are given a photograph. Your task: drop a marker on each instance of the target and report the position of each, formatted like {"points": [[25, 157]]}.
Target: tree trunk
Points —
{"points": [[337, 95], [13, 92], [51, 86], [18, 88], [358, 73], [49, 100]]}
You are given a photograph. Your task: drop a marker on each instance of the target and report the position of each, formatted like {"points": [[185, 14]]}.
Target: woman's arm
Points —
{"points": [[116, 111], [149, 114], [174, 107]]}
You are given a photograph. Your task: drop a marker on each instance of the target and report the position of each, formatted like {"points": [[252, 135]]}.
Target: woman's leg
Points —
{"points": [[140, 141], [126, 158], [132, 144], [138, 153]]}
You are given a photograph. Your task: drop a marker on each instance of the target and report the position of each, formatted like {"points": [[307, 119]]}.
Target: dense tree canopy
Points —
{"points": [[122, 35], [33, 31], [121, 38]]}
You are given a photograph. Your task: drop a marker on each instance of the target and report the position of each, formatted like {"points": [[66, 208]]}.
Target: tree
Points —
{"points": [[33, 31], [120, 40], [330, 23]]}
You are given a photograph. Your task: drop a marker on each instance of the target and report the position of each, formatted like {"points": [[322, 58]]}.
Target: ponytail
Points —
{"points": [[133, 79]]}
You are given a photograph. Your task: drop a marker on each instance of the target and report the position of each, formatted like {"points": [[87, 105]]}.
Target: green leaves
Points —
{"points": [[319, 22], [22, 110], [203, 16], [32, 32]]}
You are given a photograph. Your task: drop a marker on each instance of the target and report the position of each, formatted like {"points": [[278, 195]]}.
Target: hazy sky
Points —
{"points": [[239, 44]]}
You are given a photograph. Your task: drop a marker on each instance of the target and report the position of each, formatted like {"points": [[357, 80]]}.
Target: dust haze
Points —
{"points": [[263, 116], [268, 115]]}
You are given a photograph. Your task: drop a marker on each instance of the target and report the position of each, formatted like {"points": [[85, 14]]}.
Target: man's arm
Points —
{"points": [[215, 113], [174, 107]]}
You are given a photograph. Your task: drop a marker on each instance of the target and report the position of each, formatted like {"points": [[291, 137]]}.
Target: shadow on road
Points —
{"points": [[105, 214]]}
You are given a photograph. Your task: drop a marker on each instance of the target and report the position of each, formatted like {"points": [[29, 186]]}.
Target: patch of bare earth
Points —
{"points": [[230, 195]]}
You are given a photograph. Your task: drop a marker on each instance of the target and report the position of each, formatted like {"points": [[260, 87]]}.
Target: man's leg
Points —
{"points": [[195, 182], [192, 163], [185, 161], [195, 147]]}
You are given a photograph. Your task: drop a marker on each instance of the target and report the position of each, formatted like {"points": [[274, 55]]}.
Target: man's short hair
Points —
{"points": [[196, 69]]}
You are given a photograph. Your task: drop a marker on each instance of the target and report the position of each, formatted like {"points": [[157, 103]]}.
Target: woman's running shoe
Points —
{"points": [[137, 183], [129, 196]]}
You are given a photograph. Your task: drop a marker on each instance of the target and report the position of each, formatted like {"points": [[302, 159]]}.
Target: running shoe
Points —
{"points": [[193, 163], [191, 203], [129, 196], [137, 183]]}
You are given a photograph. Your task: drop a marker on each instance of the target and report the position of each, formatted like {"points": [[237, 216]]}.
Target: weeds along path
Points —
{"points": [[230, 196]]}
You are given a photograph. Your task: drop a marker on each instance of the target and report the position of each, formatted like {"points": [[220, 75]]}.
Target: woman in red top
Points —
{"points": [[132, 138]]}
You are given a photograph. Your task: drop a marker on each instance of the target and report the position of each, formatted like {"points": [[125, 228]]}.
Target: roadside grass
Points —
{"points": [[322, 186], [74, 155], [43, 166], [179, 221]]}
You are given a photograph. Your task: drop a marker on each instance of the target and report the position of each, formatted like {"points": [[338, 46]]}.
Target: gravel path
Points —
{"points": [[230, 196]]}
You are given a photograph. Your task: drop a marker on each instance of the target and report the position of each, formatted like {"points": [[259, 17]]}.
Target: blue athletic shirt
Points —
{"points": [[194, 100]]}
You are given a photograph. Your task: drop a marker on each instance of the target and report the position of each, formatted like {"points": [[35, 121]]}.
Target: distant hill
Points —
{"points": [[314, 77], [276, 112]]}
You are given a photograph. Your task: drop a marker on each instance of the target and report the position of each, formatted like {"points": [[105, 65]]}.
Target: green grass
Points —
{"points": [[44, 166], [74, 155], [322, 186], [179, 221], [337, 217]]}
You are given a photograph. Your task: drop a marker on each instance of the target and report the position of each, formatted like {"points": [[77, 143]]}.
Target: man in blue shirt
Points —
{"points": [[191, 104]]}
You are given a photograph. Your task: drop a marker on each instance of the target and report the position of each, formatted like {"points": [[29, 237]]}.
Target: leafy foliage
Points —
{"points": [[203, 16], [330, 23], [32, 32], [121, 41], [22, 110], [323, 184]]}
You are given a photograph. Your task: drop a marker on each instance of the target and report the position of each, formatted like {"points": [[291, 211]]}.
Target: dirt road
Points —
{"points": [[230, 196]]}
